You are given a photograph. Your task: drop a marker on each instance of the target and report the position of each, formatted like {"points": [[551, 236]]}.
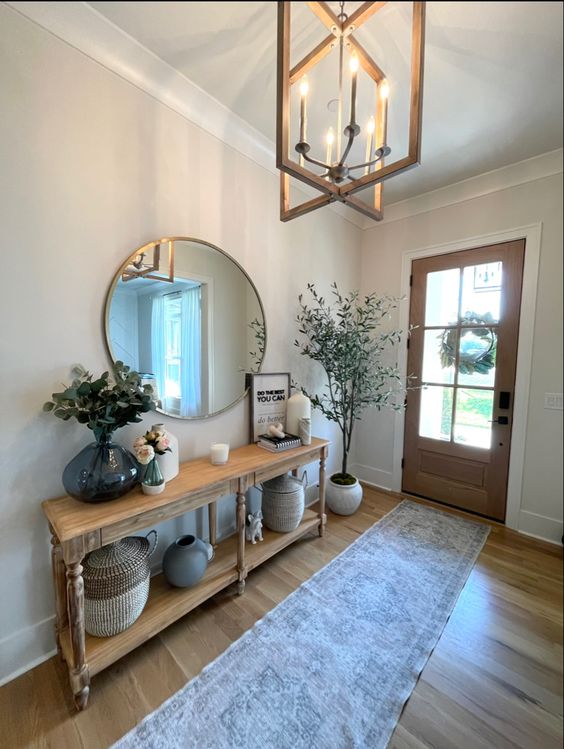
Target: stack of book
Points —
{"points": [[278, 444]]}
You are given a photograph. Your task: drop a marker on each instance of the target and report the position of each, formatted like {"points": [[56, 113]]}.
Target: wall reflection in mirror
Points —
{"points": [[185, 314]]}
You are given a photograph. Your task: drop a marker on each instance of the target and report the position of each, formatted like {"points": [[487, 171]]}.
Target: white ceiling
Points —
{"points": [[493, 74]]}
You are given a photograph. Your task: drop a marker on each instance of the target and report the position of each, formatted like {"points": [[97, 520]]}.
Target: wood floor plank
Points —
{"points": [[494, 679]]}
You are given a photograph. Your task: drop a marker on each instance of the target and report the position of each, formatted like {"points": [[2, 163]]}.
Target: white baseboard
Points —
{"points": [[373, 476], [30, 647], [539, 526]]}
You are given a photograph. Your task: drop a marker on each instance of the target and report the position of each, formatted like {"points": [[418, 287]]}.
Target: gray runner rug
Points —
{"points": [[333, 664]]}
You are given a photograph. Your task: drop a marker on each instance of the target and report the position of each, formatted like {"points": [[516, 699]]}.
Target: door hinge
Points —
{"points": [[402, 462], [411, 280], [408, 343]]}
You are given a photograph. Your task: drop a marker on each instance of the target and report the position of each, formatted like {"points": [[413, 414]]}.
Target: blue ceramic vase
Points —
{"points": [[101, 471], [185, 561]]}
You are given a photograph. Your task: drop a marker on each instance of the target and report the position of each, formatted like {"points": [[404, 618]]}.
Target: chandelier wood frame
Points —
{"points": [[287, 77]]}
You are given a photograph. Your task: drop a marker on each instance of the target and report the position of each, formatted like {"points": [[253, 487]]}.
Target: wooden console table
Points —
{"points": [[78, 528]]}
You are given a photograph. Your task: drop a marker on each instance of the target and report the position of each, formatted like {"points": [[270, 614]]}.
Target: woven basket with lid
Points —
{"points": [[283, 503], [116, 585]]}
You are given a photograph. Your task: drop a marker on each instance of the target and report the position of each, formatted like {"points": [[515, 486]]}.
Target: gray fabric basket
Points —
{"points": [[116, 585], [283, 503]]}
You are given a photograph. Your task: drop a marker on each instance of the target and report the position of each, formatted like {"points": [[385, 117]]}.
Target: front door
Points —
{"points": [[463, 353]]}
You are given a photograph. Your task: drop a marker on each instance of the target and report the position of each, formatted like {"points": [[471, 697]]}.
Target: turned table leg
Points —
{"points": [[78, 670], [322, 515], [212, 521], [241, 538], [60, 585]]}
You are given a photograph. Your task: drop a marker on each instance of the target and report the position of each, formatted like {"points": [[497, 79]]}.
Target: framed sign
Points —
{"points": [[269, 394]]}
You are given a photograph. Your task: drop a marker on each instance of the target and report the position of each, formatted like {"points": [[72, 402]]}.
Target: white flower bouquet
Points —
{"points": [[150, 444]]}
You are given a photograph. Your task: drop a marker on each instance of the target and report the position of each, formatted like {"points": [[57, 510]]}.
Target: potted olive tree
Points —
{"points": [[346, 338]]}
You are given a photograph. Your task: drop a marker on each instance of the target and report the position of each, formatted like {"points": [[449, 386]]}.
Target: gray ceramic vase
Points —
{"points": [[185, 561]]}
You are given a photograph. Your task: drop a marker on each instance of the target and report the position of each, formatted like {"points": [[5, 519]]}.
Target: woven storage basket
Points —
{"points": [[116, 585], [283, 503]]}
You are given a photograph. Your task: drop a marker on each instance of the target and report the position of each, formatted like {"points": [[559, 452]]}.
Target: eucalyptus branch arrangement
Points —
{"points": [[105, 403], [259, 330], [343, 336]]}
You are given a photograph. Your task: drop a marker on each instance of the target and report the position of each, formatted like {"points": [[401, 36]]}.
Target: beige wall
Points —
{"points": [[504, 210], [91, 169]]}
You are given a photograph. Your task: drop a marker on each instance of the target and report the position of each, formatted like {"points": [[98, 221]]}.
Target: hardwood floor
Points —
{"points": [[494, 679]]}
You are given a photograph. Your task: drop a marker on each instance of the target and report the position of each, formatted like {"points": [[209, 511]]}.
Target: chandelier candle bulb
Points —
{"points": [[354, 76], [329, 139], [384, 98], [369, 142], [304, 88]]}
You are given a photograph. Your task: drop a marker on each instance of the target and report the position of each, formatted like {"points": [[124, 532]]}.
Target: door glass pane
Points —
{"points": [[441, 299], [481, 293], [474, 410], [476, 363], [439, 350], [436, 412]]}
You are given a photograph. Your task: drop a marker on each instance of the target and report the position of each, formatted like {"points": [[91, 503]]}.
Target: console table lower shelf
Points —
{"points": [[166, 604], [78, 528]]}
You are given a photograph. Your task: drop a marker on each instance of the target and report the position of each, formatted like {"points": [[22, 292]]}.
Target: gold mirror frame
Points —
{"points": [[153, 250]]}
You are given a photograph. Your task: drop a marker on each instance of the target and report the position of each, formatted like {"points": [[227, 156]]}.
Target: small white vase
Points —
{"points": [[147, 489], [169, 463], [341, 499]]}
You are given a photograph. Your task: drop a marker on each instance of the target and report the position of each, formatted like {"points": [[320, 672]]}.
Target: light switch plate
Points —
{"points": [[553, 401]]}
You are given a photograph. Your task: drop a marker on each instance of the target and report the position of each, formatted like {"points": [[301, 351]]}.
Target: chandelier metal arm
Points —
{"points": [[312, 161], [369, 163], [303, 148], [351, 133]]}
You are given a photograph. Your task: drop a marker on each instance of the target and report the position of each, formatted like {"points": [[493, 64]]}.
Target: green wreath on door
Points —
{"points": [[477, 352]]}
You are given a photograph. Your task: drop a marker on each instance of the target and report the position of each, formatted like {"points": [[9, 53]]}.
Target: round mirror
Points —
{"points": [[188, 318]]}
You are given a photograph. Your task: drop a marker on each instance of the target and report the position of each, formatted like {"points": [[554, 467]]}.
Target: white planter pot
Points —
{"points": [[343, 500]]}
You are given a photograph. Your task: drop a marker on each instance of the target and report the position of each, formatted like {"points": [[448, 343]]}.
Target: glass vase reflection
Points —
{"points": [[100, 472]]}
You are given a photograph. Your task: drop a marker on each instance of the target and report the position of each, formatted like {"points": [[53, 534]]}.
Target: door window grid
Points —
{"points": [[469, 405]]}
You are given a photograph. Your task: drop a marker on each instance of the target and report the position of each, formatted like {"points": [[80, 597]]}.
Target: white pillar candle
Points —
{"points": [[219, 453], [298, 407]]}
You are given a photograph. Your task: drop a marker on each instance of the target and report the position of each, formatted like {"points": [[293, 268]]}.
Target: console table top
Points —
{"points": [[70, 518]]}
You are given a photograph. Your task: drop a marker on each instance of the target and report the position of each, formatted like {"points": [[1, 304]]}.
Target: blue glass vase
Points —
{"points": [[102, 471]]}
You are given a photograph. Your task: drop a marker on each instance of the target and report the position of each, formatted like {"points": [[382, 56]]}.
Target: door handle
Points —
{"points": [[500, 420]]}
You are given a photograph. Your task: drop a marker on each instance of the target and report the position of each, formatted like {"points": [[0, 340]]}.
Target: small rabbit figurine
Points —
{"points": [[254, 528]]}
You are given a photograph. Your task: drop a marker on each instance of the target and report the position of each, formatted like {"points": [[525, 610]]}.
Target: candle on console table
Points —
{"points": [[298, 407], [219, 453]]}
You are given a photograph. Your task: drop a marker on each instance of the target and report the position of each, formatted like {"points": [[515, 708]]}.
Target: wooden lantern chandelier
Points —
{"points": [[337, 179]]}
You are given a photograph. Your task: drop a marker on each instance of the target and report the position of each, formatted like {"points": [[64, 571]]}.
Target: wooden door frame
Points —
{"points": [[532, 235]]}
